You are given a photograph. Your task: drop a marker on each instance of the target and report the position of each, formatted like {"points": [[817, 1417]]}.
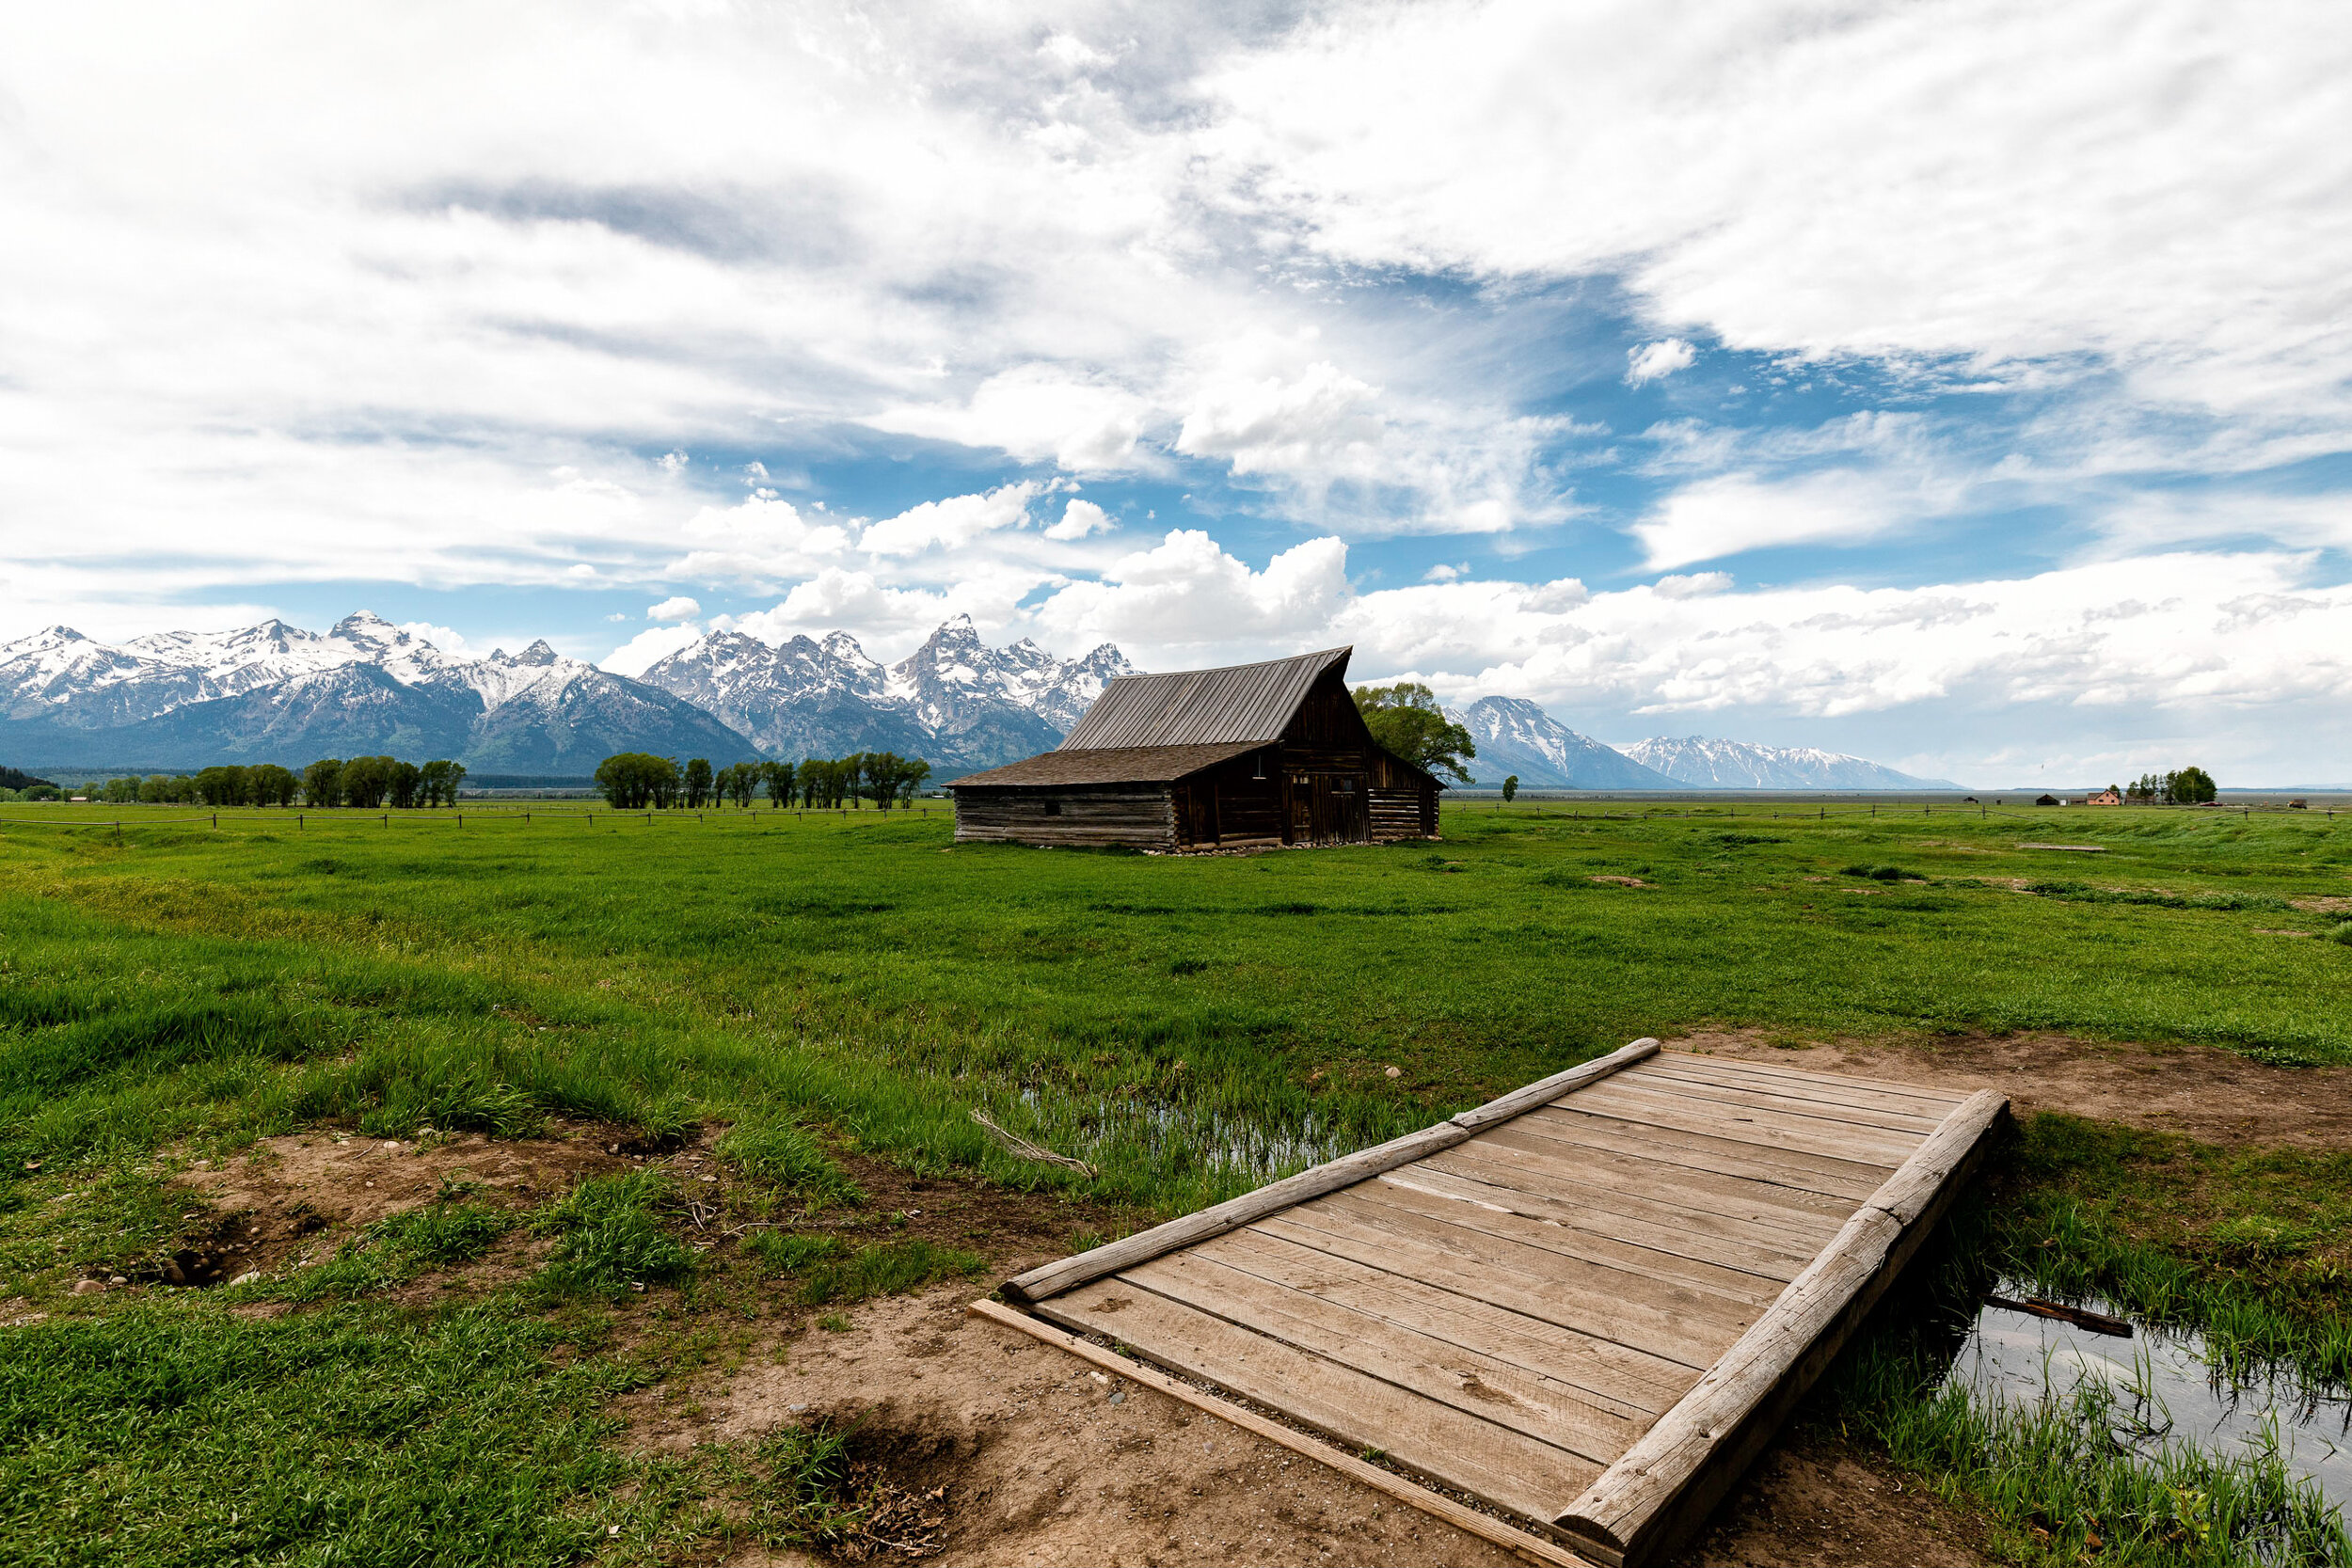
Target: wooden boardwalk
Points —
{"points": [[1587, 1303]]}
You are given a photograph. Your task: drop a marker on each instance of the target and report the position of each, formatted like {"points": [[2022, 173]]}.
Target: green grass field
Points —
{"points": [[1190, 1026]]}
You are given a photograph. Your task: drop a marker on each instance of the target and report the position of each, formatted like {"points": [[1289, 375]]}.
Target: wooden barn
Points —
{"points": [[1251, 756]]}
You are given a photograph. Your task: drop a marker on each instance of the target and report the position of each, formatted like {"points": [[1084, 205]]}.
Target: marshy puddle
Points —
{"points": [[2165, 1391]]}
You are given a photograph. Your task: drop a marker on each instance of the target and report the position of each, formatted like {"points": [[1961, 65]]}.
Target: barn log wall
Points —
{"points": [[1143, 816]]}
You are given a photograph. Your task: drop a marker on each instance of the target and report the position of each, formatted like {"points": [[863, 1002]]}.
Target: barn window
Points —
{"points": [[1348, 786], [1053, 808]]}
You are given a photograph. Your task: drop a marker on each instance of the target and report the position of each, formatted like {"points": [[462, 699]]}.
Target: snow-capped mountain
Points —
{"points": [[1695, 761], [1514, 736], [954, 700], [279, 693]]}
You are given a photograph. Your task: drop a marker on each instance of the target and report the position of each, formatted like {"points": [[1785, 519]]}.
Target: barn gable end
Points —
{"points": [[1254, 755]]}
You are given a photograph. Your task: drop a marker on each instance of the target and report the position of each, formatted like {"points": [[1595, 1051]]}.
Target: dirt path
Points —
{"points": [[2214, 1096]]}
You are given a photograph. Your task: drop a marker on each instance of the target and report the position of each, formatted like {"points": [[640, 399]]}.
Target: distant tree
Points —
{"points": [[322, 783], [776, 777], [433, 781], [698, 784], [268, 785], [2189, 787], [749, 776], [632, 780], [2146, 790], [913, 773], [1510, 789], [405, 785], [1406, 720], [121, 792], [19, 780], [452, 775], [367, 781], [221, 787]]}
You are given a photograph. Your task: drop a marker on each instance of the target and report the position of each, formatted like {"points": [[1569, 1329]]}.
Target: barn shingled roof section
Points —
{"points": [[1242, 705]]}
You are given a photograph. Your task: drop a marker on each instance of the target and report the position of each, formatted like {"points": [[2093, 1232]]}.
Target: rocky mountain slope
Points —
{"points": [[954, 700], [1695, 761], [1514, 736]]}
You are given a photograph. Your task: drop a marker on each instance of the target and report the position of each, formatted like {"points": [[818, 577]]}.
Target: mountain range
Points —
{"points": [[277, 693], [1695, 761]]}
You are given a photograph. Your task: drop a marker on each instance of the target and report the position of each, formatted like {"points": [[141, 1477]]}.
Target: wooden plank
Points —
{"points": [[1632, 1382], [1644, 1221], [1469, 1452], [1848, 1181], [1773, 1128], [1948, 1099], [1765, 1239], [1445, 1200], [1533, 1548], [1809, 1216], [1662, 1488], [1069, 1273], [1517, 1397], [1601, 1302], [1818, 1130], [1699, 1085], [1507, 1240], [1934, 1104], [1582, 1232]]}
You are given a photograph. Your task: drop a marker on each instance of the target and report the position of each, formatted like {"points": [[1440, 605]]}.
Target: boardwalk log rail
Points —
{"points": [[1587, 1303]]}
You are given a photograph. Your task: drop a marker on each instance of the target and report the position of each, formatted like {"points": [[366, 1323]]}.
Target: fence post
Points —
{"points": [[217, 821]]}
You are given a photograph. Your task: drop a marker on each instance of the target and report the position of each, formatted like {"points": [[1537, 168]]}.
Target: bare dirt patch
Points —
{"points": [[2214, 1096], [1810, 1503], [290, 1199]]}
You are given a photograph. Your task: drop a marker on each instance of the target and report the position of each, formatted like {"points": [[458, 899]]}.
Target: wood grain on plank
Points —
{"points": [[1931, 1103], [1831, 1080], [1633, 1382], [1774, 1241], [1826, 1127], [1530, 1547], [1848, 1181], [1909, 1124], [1477, 1383], [1771, 1129], [1563, 1229], [1796, 1211], [1630, 1245], [1603, 1303], [1503, 1467]]}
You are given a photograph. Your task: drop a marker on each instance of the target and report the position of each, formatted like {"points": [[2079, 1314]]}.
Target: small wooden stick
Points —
{"points": [[1028, 1150]]}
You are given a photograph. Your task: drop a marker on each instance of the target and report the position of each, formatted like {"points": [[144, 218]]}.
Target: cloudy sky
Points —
{"points": [[1965, 386]]}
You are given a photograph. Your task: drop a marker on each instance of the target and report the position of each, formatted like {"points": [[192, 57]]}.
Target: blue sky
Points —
{"points": [[1968, 387]]}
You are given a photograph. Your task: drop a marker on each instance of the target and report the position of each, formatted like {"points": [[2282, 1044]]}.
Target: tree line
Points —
{"points": [[372, 782], [636, 781], [2185, 786]]}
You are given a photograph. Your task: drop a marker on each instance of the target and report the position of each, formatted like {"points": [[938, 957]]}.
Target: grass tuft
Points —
{"points": [[779, 1154], [610, 1237], [886, 1268]]}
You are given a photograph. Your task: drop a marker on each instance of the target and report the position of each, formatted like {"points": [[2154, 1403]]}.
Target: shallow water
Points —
{"points": [[2166, 1391]]}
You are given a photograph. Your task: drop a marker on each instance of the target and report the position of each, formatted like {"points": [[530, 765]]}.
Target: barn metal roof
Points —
{"points": [[1240, 705], [1104, 764]]}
